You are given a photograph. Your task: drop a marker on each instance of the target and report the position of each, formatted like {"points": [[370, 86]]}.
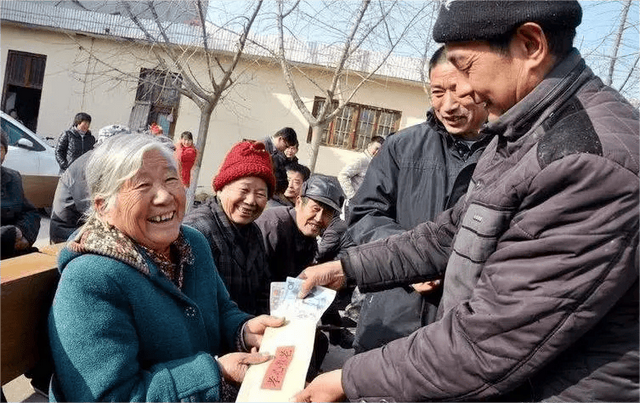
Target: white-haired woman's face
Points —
{"points": [[150, 206]]}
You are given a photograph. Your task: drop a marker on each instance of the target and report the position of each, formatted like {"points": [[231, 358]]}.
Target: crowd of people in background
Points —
{"points": [[489, 252]]}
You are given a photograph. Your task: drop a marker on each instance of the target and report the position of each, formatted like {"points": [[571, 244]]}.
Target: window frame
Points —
{"points": [[345, 130]]}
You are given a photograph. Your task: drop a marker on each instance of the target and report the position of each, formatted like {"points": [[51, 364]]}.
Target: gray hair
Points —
{"points": [[118, 159]]}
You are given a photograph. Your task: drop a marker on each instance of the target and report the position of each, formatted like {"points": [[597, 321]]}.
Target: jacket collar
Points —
{"points": [[76, 133], [451, 141], [559, 85]]}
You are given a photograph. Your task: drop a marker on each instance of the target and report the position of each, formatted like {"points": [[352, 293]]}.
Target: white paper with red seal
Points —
{"points": [[291, 345]]}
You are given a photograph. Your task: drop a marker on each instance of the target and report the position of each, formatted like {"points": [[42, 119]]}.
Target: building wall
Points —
{"points": [[257, 106]]}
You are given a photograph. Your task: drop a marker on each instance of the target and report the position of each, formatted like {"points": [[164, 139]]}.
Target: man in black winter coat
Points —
{"points": [[420, 171], [75, 141]]}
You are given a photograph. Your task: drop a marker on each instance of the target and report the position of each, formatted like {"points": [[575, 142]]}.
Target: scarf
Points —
{"points": [[100, 238]]}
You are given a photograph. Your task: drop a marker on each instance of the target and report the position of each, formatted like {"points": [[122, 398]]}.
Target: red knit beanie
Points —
{"points": [[247, 158]]}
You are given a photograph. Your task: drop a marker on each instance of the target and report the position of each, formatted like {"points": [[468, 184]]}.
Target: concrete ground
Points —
{"points": [[20, 390]]}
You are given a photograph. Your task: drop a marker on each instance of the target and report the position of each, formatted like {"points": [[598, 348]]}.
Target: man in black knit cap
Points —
{"points": [[540, 257]]}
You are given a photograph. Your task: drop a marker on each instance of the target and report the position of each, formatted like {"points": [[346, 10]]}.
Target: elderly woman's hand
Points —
{"points": [[234, 366], [255, 328]]}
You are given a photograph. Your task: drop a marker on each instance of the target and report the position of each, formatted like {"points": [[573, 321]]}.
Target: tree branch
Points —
{"points": [[616, 44]]}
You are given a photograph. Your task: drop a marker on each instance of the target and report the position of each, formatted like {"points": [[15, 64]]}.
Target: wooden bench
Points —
{"points": [[40, 189], [28, 285]]}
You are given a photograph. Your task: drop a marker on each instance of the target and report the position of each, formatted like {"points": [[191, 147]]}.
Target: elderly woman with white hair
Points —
{"points": [[141, 313]]}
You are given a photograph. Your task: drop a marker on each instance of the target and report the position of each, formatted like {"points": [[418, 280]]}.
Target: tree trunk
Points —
{"points": [[316, 137], [203, 129], [616, 44]]}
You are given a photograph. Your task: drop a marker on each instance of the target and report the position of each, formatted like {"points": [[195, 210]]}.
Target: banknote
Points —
{"points": [[290, 306], [276, 296]]}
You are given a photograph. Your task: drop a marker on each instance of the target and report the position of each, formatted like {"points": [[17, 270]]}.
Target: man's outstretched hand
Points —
{"points": [[325, 388], [328, 274]]}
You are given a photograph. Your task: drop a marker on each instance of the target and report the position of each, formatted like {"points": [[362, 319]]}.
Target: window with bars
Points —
{"points": [[354, 127]]}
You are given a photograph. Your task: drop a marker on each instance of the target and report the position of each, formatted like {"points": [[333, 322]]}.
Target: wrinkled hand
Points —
{"points": [[234, 366], [21, 241], [328, 274], [255, 328], [325, 388], [426, 287]]}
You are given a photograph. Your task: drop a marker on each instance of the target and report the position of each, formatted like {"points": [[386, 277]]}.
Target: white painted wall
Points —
{"points": [[257, 106]]}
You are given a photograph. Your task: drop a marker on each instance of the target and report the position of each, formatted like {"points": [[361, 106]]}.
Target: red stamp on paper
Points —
{"points": [[278, 368]]}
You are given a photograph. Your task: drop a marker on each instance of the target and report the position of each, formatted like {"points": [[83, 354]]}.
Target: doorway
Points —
{"points": [[24, 76]]}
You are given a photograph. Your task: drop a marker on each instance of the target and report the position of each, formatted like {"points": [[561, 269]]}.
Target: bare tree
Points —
{"points": [[618, 39], [183, 52], [176, 58], [423, 43], [614, 54], [372, 24]]}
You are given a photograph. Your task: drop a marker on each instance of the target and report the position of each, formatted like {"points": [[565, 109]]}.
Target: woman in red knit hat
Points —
{"points": [[244, 183]]}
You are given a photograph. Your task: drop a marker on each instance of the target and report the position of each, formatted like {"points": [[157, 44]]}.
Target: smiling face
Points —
{"points": [[244, 199], [312, 217], [461, 115], [149, 207], [501, 79], [295, 179]]}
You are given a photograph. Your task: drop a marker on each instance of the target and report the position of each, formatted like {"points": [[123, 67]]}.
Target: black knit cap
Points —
{"points": [[463, 21]]}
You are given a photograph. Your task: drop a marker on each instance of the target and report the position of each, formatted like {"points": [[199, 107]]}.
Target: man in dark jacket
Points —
{"points": [[421, 171], [290, 232], [280, 140], [275, 145], [20, 220], [75, 141], [540, 298]]}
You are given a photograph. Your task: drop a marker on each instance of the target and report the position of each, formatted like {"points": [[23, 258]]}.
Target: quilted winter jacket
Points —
{"points": [[71, 145], [541, 287]]}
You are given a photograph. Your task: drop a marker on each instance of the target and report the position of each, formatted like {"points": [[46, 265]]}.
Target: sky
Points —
{"points": [[594, 37]]}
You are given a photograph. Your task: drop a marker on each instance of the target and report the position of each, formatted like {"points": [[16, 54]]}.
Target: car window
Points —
{"points": [[15, 133]]}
